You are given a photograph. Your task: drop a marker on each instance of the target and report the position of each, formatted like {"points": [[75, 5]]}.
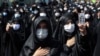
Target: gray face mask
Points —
{"points": [[42, 33]]}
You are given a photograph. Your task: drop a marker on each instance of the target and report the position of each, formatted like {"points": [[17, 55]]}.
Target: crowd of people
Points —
{"points": [[53, 29]]}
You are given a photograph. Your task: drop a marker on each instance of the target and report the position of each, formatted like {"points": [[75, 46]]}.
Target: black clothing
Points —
{"points": [[81, 46], [33, 42]]}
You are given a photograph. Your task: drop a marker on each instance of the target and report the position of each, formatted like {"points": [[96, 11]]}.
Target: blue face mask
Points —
{"points": [[42, 33], [16, 26]]}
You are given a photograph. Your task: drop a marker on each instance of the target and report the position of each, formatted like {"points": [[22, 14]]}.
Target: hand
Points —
{"points": [[41, 52], [70, 42], [87, 24], [8, 26], [82, 29]]}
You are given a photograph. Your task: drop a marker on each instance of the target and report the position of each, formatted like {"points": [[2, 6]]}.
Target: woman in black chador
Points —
{"points": [[14, 36], [40, 40], [74, 39]]}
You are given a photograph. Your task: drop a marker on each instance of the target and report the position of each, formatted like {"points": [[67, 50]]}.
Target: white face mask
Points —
{"points": [[98, 8], [60, 9], [69, 11], [35, 11], [85, 9], [81, 7], [4, 13], [42, 14], [65, 8], [42, 33], [30, 9], [15, 10], [69, 28], [38, 7], [82, 2], [17, 15], [87, 16], [17, 5], [21, 10], [16, 26], [57, 14]]}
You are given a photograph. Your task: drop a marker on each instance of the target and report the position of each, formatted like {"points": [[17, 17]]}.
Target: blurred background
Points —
{"points": [[38, 1]]}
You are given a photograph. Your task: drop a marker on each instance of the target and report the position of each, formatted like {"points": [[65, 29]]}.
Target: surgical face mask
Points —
{"points": [[16, 26], [69, 28], [82, 2], [65, 8], [98, 8], [21, 10], [15, 10], [17, 15], [69, 11], [87, 16], [30, 9], [60, 9], [17, 5], [81, 7], [4, 13], [38, 6], [57, 14], [42, 33], [42, 14], [35, 11], [85, 9], [94, 10]]}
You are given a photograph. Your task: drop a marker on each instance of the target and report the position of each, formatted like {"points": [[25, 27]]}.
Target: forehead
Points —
{"points": [[42, 24], [68, 21]]}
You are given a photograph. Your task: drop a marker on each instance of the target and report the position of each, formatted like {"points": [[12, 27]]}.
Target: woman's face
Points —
{"points": [[42, 31], [69, 26]]}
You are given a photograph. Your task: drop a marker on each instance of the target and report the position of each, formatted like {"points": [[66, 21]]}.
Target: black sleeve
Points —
{"points": [[97, 46], [29, 47], [83, 47], [55, 46]]}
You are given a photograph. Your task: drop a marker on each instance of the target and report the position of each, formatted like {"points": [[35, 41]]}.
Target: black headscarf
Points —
{"points": [[59, 32], [33, 42], [37, 22], [81, 42]]}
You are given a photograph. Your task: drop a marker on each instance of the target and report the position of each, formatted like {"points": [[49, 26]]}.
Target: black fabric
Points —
{"points": [[33, 43], [93, 32], [14, 40], [81, 42], [97, 47]]}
